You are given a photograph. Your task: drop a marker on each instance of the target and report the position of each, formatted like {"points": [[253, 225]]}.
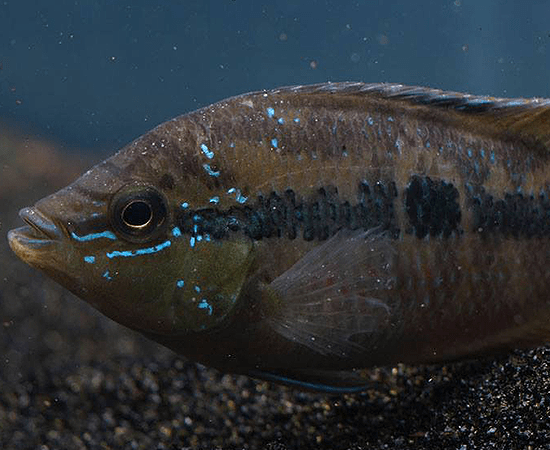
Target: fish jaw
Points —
{"points": [[36, 242]]}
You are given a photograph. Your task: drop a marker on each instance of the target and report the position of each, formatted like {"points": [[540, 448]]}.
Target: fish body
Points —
{"points": [[302, 233]]}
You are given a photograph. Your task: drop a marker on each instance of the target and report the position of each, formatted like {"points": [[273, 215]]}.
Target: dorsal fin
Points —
{"points": [[525, 120]]}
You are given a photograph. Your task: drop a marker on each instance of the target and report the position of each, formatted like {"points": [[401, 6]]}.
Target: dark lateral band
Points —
{"points": [[431, 205], [516, 215], [287, 215]]}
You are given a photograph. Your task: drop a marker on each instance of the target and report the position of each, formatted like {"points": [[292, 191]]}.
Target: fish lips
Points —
{"points": [[39, 233]]}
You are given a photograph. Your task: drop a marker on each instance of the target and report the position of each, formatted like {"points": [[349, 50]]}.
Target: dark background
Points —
{"points": [[96, 74], [81, 78]]}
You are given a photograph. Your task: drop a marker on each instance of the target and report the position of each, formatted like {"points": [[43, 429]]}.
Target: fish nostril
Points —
{"points": [[39, 222]]}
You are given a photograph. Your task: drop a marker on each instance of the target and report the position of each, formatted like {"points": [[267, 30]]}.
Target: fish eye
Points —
{"points": [[138, 213]]}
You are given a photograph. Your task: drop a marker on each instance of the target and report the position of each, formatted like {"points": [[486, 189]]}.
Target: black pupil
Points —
{"points": [[137, 214]]}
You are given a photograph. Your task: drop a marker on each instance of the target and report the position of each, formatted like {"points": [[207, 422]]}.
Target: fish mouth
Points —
{"points": [[39, 232]]}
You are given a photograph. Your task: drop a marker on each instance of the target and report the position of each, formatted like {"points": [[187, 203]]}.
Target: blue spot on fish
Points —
{"points": [[274, 142], [232, 145], [185, 205], [176, 232], [192, 241], [370, 121], [207, 152], [270, 111], [91, 236], [210, 171], [296, 120], [140, 251], [214, 199], [89, 259], [197, 288], [180, 283], [205, 305], [238, 196], [106, 275], [281, 120]]}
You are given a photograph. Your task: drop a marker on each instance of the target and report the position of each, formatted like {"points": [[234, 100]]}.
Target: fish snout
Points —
{"points": [[40, 234], [40, 224]]}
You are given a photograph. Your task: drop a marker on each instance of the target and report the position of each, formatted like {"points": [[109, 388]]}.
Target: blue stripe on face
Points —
{"points": [[91, 236], [140, 251]]}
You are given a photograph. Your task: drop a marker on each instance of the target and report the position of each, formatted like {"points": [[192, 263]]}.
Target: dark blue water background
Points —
{"points": [[96, 74]]}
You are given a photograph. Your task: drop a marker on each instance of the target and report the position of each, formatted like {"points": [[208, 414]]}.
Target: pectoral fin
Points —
{"points": [[336, 291]]}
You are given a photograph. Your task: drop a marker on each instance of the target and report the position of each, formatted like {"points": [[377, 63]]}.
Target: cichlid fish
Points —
{"points": [[300, 234]]}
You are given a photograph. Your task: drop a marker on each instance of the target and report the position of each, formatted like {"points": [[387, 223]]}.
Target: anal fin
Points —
{"points": [[329, 382]]}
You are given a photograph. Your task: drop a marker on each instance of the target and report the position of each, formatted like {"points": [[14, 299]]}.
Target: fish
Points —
{"points": [[304, 234]]}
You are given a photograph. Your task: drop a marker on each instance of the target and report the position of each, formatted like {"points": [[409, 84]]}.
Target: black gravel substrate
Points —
{"points": [[72, 379]]}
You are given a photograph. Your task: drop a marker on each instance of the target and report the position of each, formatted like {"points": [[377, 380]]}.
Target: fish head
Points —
{"points": [[115, 239]]}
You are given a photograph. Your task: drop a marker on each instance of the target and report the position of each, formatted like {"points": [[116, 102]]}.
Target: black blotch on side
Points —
{"points": [[516, 214], [432, 207]]}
